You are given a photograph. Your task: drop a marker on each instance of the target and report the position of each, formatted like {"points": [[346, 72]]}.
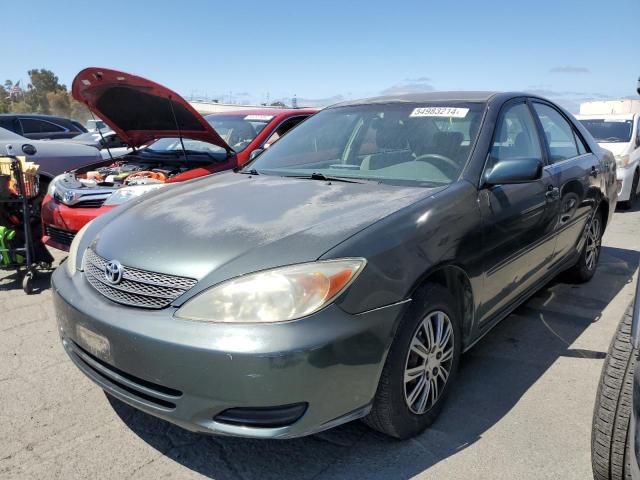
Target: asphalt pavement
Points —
{"points": [[521, 408]]}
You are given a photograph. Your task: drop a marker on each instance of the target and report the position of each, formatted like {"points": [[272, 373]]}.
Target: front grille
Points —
{"points": [[149, 392], [138, 288], [58, 235], [89, 203]]}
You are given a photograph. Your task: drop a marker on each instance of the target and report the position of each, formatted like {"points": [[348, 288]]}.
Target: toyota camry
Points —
{"points": [[343, 272]]}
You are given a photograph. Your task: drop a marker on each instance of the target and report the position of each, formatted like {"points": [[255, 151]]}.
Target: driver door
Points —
{"points": [[518, 219]]}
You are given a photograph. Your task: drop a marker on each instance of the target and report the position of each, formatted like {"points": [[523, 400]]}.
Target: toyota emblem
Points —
{"points": [[113, 272]]}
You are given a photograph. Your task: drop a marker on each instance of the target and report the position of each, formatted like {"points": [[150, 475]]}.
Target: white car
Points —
{"points": [[616, 126]]}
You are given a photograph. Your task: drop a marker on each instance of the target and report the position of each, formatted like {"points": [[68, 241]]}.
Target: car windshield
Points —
{"points": [[609, 130], [237, 130], [421, 144]]}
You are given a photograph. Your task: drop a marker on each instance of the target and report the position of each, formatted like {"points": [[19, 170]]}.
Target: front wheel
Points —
{"points": [[585, 267], [420, 367]]}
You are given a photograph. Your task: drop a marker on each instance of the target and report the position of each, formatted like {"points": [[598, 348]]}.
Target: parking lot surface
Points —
{"points": [[521, 407]]}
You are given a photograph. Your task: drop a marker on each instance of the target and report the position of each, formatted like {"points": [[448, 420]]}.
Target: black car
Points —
{"points": [[615, 437], [40, 127], [343, 272]]}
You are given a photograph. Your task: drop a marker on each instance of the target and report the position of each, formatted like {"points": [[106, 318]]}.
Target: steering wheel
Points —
{"points": [[443, 161]]}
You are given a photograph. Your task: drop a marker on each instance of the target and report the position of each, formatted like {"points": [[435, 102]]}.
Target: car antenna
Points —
{"points": [[104, 142], [175, 119]]}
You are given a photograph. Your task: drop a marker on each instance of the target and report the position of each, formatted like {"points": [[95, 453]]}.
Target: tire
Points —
{"points": [[633, 196], [586, 266], [392, 413], [612, 410]]}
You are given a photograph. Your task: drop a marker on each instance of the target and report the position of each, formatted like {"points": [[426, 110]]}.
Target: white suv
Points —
{"points": [[618, 131]]}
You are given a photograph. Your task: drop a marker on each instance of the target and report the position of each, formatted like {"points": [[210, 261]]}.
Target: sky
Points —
{"points": [[322, 52]]}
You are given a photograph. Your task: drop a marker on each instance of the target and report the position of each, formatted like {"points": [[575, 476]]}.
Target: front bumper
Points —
{"points": [[189, 372], [67, 221], [624, 176]]}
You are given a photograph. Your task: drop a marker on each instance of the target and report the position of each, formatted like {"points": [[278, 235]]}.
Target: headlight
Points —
{"points": [[276, 295], [622, 160], [72, 259], [52, 184], [127, 193]]}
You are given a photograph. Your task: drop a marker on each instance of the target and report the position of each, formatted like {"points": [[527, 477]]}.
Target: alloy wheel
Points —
{"points": [[593, 243], [429, 362]]}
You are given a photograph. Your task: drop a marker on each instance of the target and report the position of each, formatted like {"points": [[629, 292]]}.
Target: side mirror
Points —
{"points": [[255, 153], [521, 170]]}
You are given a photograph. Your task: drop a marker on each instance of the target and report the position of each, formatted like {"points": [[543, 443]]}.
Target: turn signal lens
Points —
{"points": [[276, 295]]}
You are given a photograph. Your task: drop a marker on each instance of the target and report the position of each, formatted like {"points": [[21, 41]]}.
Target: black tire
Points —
{"points": [[633, 196], [612, 410], [584, 270], [391, 414], [27, 283]]}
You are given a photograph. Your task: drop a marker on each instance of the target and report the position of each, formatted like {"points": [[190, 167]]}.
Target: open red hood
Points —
{"points": [[140, 110]]}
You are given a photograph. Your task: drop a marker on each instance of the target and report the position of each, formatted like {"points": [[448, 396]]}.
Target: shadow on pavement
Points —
{"points": [[13, 281], [493, 377]]}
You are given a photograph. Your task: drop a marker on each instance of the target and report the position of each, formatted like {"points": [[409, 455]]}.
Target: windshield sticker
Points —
{"points": [[258, 118], [453, 112]]}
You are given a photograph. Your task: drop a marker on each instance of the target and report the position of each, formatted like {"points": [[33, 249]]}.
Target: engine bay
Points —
{"points": [[126, 172], [114, 181]]}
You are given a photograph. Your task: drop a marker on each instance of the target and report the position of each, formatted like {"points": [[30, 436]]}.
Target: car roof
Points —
{"points": [[33, 115], [449, 96], [611, 116]]}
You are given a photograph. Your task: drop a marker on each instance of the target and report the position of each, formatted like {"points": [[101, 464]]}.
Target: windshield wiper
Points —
{"points": [[253, 171], [324, 178]]}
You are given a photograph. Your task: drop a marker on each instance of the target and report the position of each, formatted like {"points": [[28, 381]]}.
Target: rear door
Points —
{"points": [[518, 219], [575, 170]]}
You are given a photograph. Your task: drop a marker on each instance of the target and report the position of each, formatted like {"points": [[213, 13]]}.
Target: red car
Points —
{"points": [[171, 143]]}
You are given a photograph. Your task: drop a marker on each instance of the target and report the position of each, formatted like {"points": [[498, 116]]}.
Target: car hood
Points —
{"points": [[230, 224], [140, 110], [617, 148]]}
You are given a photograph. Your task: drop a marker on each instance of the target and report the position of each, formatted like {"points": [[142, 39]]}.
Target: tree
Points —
{"points": [[43, 94], [4, 101]]}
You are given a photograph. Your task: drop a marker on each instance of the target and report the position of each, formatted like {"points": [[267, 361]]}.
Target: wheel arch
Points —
{"points": [[456, 280]]}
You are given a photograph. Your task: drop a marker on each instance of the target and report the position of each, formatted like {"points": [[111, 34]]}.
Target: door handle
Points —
{"points": [[552, 193], [595, 171]]}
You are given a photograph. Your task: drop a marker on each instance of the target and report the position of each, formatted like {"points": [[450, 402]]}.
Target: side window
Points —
{"points": [[582, 148], [515, 136], [10, 124], [558, 132], [283, 128], [32, 125]]}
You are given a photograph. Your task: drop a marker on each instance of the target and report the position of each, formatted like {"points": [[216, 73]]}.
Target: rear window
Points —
{"points": [[606, 130]]}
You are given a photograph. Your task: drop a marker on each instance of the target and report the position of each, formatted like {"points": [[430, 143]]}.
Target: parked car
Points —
{"points": [[144, 114], [615, 437], [343, 272], [95, 124], [40, 127], [54, 158], [106, 140], [615, 124]]}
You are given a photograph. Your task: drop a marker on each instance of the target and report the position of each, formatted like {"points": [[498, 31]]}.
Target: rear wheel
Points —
{"points": [[586, 266], [611, 415], [420, 367]]}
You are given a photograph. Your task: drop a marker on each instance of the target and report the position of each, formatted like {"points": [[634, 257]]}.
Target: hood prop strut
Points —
{"points": [[175, 119], [102, 136]]}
